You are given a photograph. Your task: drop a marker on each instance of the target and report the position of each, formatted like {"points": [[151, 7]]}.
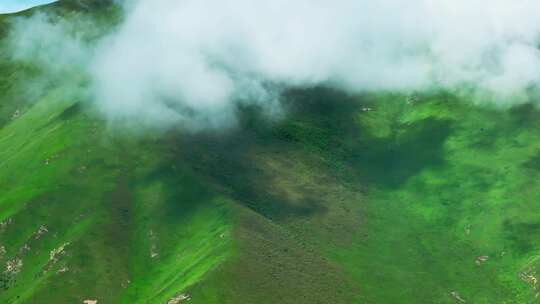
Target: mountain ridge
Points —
{"points": [[367, 198]]}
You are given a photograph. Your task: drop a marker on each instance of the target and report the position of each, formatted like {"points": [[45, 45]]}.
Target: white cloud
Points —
{"points": [[190, 61]]}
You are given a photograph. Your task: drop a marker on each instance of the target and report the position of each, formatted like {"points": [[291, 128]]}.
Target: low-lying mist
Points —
{"points": [[191, 62]]}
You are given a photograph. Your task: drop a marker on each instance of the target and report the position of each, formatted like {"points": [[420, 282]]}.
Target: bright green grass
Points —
{"points": [[436, 210], [112, 201]]}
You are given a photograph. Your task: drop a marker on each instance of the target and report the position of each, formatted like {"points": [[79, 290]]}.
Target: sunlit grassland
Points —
{"points": [[466, 189], [130, 230]]}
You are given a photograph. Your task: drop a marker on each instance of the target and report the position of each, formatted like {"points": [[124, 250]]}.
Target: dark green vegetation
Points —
{"points": [[428, 199]]}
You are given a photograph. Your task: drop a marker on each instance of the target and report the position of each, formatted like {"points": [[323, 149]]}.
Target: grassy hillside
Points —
{"points": [[380, 198]]}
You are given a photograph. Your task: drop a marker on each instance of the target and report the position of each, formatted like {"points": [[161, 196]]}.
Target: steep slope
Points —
{"points": [[425, 199], [348, 199], [84, 213]]}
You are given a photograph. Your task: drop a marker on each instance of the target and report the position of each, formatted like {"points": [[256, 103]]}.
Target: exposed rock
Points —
{"points": [[90, 301], [13, 266], [16, 114], [41, 231], [458, 297], [4, 224], [152, 236], [411, 100], [50, 159], [481, 259], [55, 253], [153, 251], [24, 249], [179, 299], [529, 277], [54, 256], [468, 230]]}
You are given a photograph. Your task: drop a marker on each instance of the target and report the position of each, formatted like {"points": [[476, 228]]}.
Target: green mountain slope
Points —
{"points": [[348, 199]]}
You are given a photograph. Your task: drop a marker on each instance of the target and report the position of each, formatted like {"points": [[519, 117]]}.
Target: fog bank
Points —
{"points": [[191, 62]]}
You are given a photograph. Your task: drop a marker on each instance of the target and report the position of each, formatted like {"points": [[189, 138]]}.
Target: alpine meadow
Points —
{"points": [[270, 152]]}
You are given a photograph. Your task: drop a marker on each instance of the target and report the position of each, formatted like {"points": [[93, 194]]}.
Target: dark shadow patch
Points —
{"points": [[225, 161], [485, 139], [392, 161], [320, 118], [519, 234], [533, 162], [326, 121], [120, 204], [226, 158], [67, 114], [320, 102], [525, 115], [70, 111], [320, 122], [184, 193]]}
